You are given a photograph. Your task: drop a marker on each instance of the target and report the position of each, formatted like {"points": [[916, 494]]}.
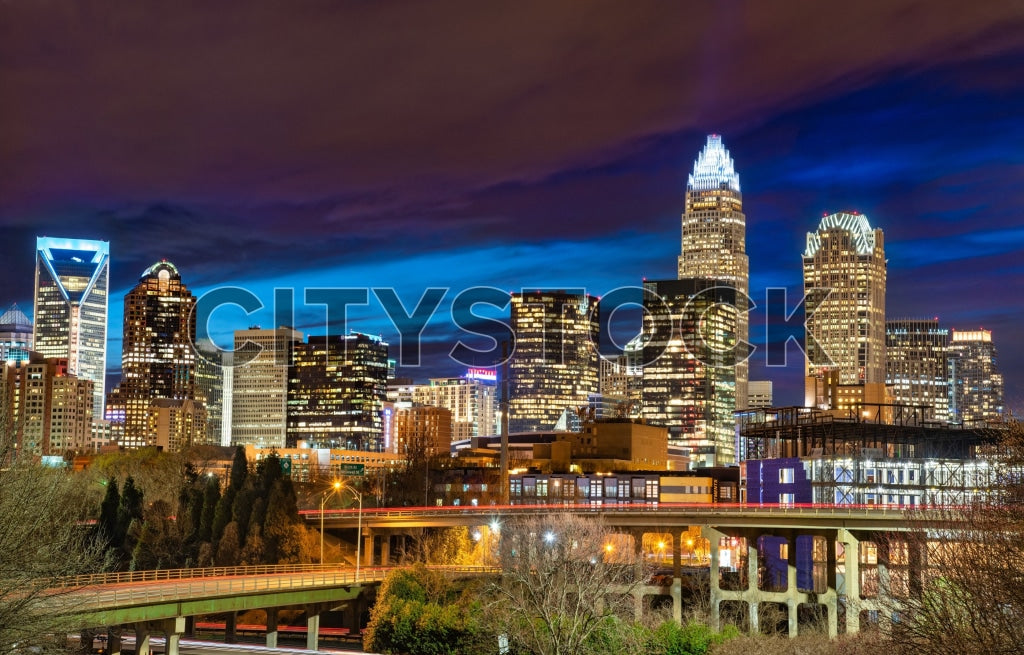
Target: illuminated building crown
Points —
{"points": [[713, 168], [853, 222]]}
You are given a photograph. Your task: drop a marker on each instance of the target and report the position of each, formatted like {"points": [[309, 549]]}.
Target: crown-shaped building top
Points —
{"points": [[713, 168], [853, 222]]}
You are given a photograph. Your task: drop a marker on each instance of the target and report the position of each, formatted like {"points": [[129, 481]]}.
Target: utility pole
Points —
{"points": [[503, 407]]}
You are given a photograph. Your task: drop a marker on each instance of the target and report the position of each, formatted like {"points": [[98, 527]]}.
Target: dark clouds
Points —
{"points": [[329, 141]]}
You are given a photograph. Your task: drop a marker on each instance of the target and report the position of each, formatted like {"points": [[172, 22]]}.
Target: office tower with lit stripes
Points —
{"points": [[553, 367], [714, 237], [70, 309], [689, 376], [916, 368], [844, 287], [337, 386], [259, 384], [976, 385], [158, 359]]}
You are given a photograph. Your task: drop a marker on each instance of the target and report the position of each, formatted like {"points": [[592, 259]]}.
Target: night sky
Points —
{"points": [[525, 144]]}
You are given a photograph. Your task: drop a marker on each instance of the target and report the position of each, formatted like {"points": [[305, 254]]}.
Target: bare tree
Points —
{"points": [[969, 597], [43, 539], [565, 580]]}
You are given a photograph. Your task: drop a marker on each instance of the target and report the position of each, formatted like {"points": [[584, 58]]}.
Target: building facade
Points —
{"points": [[976, 385], [689, 380], [15, 335], [337, 387], [714, 237], [554, 364], [917, 366], [260, 386], [759, 394], [844, 287], [176, 423], [472, 400], [70, 310], [158, 359], [423, 428], [48, 411], [213, 367]]}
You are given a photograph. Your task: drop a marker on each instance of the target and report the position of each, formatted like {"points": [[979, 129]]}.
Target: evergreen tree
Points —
{"points": [[210, 499], [239, 469], [107, 526]]}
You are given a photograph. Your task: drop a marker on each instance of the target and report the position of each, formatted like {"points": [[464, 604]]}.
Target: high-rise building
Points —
{"points": [[423, 427], [212, 369], [49, 410], [844, 287], [260, 386], [176, 423], [976, 385], [472, 400], [759, 394], [553, 366], [916, 366], [689, 380], [15, 335], [157, 356], [337, 386], [714, 237], [71, 297]]}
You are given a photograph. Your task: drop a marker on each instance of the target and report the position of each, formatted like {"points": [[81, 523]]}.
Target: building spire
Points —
{"points": [[713, 168]]}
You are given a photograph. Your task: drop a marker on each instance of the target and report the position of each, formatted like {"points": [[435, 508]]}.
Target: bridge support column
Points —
{"points": [[172, 629], [715, 588], [793, 596], [114, 640], [142, 639], [230, 628], [851, 579], [190, 626], [753, 606], [272, 627], [313, 629], [385, 550], [367, 547], [85, 639]]}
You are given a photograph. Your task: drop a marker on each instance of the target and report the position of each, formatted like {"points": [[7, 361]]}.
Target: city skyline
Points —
{"points": [[915, 132]]}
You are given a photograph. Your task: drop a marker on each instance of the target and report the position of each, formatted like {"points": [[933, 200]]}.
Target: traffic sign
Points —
{"points": [[353, 469]]}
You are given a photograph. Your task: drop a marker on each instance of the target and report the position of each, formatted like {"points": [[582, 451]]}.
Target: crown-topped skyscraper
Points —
{"points": [[714, 237]]}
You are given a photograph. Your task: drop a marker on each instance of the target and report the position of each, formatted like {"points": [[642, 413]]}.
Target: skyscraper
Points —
{"points": [[260, 386], [472, 400], [71, 297], [336, 392], [976, 385], [689, 377], [916, 365], [714, 236], [213, 369], [553, 366], [844, 284], [157, 356], [15, 335]]}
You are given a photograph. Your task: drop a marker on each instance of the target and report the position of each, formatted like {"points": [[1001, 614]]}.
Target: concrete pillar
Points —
{"points": [[677, 554], [677, 599], [752, 588], [832, 591], [231, 628], [172, 629], [114, 640], [272, 627], [142, 639], [851, 580], [792, 593], [312, 629], [190, 626], [715, 587], [385, 550], [85, 638], [367, 548]]}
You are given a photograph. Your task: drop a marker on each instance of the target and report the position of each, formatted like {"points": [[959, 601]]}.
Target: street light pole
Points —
{"points": [[359, 531], [323, 501]]}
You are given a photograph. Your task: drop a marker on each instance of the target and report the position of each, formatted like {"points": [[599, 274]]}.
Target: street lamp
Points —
{"points": [[323, 501], [359, 530]]}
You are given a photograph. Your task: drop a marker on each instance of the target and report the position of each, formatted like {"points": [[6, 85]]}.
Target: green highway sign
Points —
{"points": [[353, 469]]}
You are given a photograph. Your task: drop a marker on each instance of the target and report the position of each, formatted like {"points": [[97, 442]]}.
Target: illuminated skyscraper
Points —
{"points": [[714, 236], [15, 335], [976, 385], [472, 400], [337, 387], [71, 287], [554, 364], [844, 283], [213, 369], [916, 366], [47, 410], [689, 377], [157, 356], [260, 386]]}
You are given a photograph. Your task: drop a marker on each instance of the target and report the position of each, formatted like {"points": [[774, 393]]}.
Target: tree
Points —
{"points": [[42, 540], [971, 596], [564, 579]]}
